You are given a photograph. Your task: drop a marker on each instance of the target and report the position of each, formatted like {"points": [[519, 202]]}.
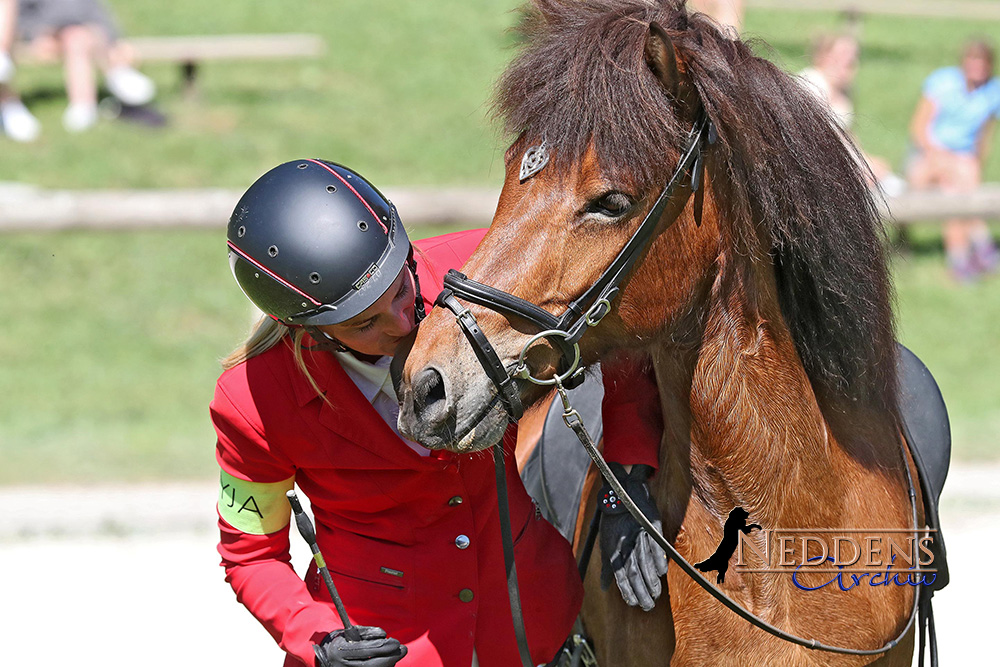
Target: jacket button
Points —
{"points": [[455, 500], [462, 541], [465, 595]]}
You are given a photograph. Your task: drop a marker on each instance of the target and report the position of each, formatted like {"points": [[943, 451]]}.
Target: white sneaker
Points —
{"points": [[79, 117], [6, 68], [18, 123], [130, 86]]}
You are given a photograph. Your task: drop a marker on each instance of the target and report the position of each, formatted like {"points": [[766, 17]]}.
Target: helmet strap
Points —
{"points": [[325, 341], [418, 301]]}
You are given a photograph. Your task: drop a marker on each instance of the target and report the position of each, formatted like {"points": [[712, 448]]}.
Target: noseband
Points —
{"points": [[584, 312]]}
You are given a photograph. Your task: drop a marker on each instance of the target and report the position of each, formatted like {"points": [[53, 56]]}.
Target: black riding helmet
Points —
{"points": [[313, 243]]}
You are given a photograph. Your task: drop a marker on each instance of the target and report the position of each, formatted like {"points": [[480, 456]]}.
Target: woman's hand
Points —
{"points": [[628, 553], [374, 650]]}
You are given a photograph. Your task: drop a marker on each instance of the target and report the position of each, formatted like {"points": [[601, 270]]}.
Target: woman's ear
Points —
{"points": [[662, 59]]}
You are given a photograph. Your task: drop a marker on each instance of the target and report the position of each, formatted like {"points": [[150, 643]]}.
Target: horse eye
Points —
{"points": [[610, 204]]}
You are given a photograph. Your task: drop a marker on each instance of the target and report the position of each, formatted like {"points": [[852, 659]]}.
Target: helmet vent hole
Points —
{"points": [[331, 189], [314, 278], [302, 166], [273, 251], [362, 225], [241, 231]]}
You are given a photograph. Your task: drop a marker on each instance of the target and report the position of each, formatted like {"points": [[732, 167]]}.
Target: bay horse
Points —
{"points": [[762, 302]]}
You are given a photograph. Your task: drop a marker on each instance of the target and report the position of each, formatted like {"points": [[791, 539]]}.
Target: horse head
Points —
{"points": [[611, 94]]}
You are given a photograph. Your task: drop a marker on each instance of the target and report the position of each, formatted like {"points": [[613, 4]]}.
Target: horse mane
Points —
{"points": [[784, 169]]}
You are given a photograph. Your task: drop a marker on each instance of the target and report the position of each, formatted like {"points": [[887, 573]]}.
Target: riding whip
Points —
{"points": [[307, 532]]}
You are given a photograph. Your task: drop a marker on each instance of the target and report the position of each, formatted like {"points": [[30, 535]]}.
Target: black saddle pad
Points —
{"points": [[928, 434], [555, 471]]}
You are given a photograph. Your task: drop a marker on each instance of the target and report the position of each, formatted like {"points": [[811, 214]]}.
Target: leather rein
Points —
{"points": [[565, 332]]}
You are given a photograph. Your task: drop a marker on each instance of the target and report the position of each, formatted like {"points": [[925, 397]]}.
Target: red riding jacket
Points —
{"points": [[391, 523]]}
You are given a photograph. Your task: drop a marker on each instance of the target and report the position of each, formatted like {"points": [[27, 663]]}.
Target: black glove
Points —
{"points": [[627, 551], [374, 650]]}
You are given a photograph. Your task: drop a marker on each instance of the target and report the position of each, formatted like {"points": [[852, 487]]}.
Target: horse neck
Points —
{"points": [[743, 426]]}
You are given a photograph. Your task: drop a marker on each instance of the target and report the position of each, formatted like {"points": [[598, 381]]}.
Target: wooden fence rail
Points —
{"points": [[957, 9], [27, 208]]}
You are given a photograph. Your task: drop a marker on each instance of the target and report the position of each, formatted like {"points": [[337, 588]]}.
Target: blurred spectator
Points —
{"points": [[725, 12], [835, 58], [18, 123], [84, 34], [951, 130]]}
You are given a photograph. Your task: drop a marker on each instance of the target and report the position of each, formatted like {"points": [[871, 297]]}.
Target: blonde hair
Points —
{"points": [[265, 334]]}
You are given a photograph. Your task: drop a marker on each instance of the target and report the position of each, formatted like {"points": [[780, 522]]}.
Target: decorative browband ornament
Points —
{"points": [[534, 160]]}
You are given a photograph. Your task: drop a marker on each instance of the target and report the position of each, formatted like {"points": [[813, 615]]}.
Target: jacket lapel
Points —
{"points": [[351, 416]]}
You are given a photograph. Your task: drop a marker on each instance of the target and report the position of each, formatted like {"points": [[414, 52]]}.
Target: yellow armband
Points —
{"points": [[256, 508]]}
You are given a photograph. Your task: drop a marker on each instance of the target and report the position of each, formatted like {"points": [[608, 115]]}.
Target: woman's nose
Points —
{"points": [[402, 321]]}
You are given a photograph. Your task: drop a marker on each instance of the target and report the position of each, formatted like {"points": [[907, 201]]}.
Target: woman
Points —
{"points": [[951, 129], [411, 536]]}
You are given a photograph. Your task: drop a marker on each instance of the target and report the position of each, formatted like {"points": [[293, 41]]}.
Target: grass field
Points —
{"points": [[110, 342]]}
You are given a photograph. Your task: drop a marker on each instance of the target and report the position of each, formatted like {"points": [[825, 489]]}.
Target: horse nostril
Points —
{"points": [[429, 396]]}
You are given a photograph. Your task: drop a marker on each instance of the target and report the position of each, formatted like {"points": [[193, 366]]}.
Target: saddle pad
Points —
{"points": [[928, 434], [555, 471]]}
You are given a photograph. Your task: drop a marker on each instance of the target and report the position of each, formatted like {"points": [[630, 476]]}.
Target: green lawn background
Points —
{"points": [[110, 341]]}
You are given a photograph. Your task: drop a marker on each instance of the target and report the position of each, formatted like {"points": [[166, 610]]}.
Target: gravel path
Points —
{"points": [[129, 574]]}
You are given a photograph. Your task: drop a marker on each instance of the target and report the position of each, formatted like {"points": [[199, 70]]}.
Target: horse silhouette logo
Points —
{"points": [[719, 561]]}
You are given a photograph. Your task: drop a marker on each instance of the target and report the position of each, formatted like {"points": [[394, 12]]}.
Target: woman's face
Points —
{"points": [[840, 63], [977, 69], [378, 330]]}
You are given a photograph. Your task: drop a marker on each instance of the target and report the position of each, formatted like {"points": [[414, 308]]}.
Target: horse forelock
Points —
{"points": [[782, 169]]}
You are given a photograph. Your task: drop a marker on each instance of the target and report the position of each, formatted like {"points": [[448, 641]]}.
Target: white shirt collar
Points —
{"points": [[369, 378]]}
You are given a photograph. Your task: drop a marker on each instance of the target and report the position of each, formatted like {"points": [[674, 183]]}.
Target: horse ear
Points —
{"points": [[661, 58]]}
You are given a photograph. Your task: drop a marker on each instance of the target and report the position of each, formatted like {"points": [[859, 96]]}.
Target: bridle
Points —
{"points": [[585, 312], [582, 314]]}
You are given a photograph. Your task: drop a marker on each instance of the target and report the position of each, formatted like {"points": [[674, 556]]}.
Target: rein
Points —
{"points": [[566, 331], [572, 419]]}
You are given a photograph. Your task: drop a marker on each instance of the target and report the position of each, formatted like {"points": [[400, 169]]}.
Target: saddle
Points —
{"points": [[555, 472]]}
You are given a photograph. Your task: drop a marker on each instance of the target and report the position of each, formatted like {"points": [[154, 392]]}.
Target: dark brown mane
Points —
{"points": [[781, 166]]}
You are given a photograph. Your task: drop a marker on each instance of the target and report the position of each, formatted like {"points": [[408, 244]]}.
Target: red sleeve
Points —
{"points": [[258, 566], [633, 417]]}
